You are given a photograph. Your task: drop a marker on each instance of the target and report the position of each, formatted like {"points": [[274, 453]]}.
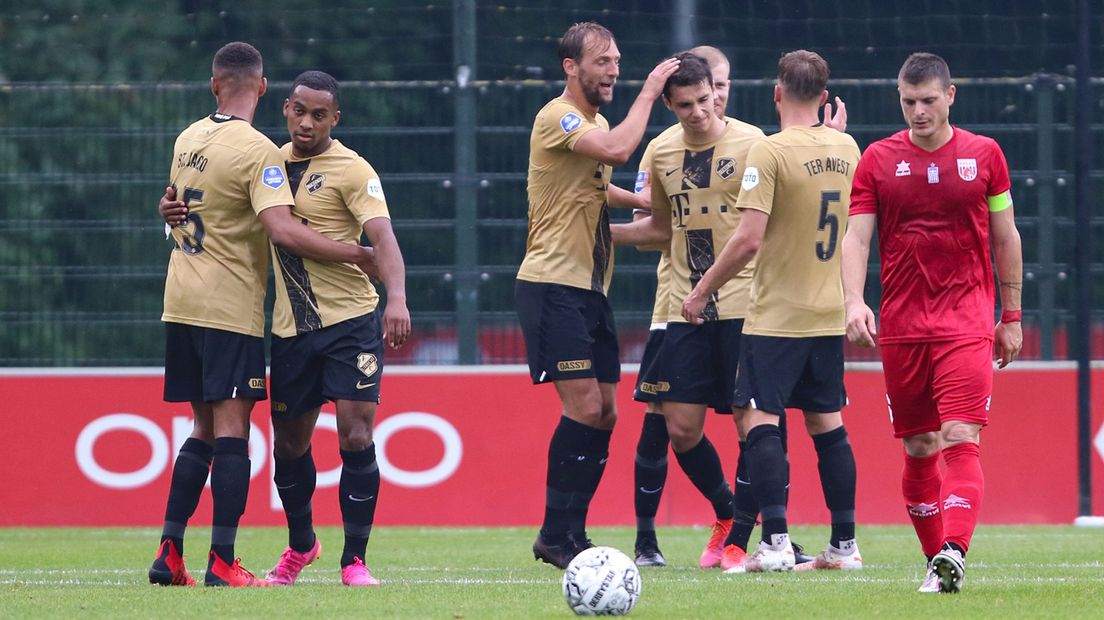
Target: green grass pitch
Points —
{"points": [[1012, 572]]}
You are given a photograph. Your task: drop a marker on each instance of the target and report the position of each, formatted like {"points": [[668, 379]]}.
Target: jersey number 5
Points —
{"points": [[191, 230], [828, 221]]}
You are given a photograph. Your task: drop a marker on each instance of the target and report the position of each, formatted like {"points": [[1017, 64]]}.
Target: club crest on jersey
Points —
{"points": [[367, 363], [570, 122], [273, 176], [751, 178], [967, 169], [903, 169], [726, 167], [315, 182], [641, 181]]}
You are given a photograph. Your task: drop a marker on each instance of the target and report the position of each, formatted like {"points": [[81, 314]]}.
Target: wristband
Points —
{"points": [[1011, 316]]}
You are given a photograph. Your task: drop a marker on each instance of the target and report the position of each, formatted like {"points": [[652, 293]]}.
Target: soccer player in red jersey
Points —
{"points": [[940, 199]]}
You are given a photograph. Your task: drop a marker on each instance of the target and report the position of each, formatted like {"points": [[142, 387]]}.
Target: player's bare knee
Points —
{"points": [[820, 423], [955, 432], [922, 445]]}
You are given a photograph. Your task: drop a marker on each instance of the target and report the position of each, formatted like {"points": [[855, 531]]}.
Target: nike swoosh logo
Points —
{"points": [[651, 491], [285, 487], [360, 499], [361, 386], [670, 172]]}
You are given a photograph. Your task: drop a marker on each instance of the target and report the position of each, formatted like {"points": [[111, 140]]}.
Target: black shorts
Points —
{"points": [[203, 364], [699, 363], [340, 362], [779, 373], [647, 381], [569, 333]]}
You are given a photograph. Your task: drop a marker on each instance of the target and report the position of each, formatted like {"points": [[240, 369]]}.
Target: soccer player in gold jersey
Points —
{"points": [[234, 189], [793, 200], [570, 338]]}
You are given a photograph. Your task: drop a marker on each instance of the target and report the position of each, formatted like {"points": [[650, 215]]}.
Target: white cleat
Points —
{"points": [[776, 557], [831, 558], [931, 582], [950, 568]]}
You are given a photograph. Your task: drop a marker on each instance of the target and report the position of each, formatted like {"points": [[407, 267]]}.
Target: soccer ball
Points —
{"points": [[601, 581]]}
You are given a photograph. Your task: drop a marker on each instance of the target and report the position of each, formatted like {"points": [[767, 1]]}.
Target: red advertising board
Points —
{"points": [[467, 447]]}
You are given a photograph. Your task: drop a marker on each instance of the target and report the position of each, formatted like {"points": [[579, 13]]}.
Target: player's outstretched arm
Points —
{"points": [[1008, 257], [861, 327], [616, 146], [392, 271], [742, 246], [288, 232], [837, 121], [623, 198]]}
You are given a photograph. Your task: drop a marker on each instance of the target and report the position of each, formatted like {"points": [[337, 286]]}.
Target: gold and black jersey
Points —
{"points": [[700, 185], [801, 178], [569, 236], [663, 269], [336, 192], [227, 172]]}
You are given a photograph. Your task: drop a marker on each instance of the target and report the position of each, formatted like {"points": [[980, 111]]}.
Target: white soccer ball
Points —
{"points": [[601, 581]]}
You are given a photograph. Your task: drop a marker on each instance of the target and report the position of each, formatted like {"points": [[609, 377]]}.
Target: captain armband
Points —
{"points": [[1000, 202]]}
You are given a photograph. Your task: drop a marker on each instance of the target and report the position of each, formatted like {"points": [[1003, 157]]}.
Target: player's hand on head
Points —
{"points": [[173, 211], [653, 85], [861, 326], [837, 121], [396, 324], [1007, 343]]}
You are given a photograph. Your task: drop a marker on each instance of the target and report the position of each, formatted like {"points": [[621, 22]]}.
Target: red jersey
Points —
{"points": [[933, 233]]}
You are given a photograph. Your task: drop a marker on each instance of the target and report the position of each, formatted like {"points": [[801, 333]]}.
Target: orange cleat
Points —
{"points": [[168, 567], [235, 575], [711, 556]]}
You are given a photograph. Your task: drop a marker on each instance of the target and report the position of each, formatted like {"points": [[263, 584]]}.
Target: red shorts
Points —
{"points": [[928, 384]]}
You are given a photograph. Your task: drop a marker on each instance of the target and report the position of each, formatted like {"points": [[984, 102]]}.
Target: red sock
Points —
{"points": [[920, 484], [963, 486]]}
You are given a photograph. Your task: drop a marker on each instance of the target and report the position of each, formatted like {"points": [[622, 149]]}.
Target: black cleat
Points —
{"points": [[556, 555], [648, 553], [800, 557], [580, 541]]}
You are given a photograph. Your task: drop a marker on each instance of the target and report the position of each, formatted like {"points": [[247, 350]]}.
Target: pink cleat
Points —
{"points": [[714, 549], [292, 563], [733, 559], [357, 574]]}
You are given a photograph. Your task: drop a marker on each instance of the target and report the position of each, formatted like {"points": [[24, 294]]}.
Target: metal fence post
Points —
{"points": [[465, 185], [1045, 179]]}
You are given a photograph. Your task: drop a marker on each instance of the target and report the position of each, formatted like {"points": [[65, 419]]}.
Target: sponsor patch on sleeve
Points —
{"points": [[375, 189], [751, 178], [273, 176], [641, 181], [570, 122]]}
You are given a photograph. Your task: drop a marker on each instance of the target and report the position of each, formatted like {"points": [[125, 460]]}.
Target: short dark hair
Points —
{"points": [[803, 74], [318, 80], [573, 42], [922, 67], [237, 60], [692, 69]]}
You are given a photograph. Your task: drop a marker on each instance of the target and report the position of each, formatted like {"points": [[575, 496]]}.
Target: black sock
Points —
{"points": [[193, 463], [295, 481], [595, 466], [703, 466], [745, 509], [567, 453], [836, 463], [359, 490], [770, 471], [230, 489], [650, 471]]}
